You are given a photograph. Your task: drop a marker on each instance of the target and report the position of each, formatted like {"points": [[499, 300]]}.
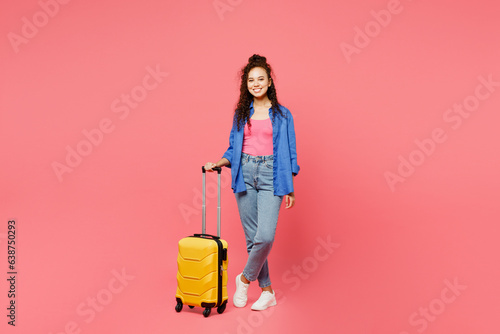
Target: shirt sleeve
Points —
{"points": [[229, 152], [292, 144]]}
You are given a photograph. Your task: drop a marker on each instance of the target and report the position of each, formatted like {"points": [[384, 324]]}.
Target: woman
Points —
{"points": [[263, 160]]}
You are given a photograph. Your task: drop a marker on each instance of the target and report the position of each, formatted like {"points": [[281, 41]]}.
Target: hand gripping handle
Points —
{"points": [[218, 169]]}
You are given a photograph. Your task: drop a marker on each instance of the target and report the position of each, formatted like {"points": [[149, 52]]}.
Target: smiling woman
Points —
{"points": [[263, 162]]}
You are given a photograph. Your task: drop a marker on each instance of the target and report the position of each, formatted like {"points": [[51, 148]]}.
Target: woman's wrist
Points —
{"points": [[222, 162]]}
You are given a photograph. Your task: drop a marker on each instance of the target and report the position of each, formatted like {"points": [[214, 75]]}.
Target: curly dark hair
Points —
{"points": [[242, 111]]}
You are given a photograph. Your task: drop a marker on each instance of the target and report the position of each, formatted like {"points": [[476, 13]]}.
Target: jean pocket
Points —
{"points": [[244, 160], [268, 164]]}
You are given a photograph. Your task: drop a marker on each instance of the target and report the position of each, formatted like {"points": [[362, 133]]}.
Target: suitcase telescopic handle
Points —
{"points": [[203, 206], [218, 169]]}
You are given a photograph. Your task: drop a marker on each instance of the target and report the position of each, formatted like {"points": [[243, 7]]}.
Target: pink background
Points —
{"points": [[395, 248]]}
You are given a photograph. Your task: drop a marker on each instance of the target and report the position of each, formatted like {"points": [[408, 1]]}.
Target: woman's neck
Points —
{"points": [[261, 102]]}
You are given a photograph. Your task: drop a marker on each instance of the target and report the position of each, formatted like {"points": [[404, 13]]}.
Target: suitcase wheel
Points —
{"points": [[178, 307], [221, 308], [191, 306], [207, 311]]}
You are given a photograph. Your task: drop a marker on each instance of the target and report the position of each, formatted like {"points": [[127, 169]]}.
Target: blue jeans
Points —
{"points": [[259, 209]]}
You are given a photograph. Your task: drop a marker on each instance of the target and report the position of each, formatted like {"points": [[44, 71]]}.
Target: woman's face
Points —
{"points": [[258, 82]]}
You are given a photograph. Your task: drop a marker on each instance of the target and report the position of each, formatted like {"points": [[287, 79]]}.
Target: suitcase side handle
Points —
{"points": [[204, 235]]}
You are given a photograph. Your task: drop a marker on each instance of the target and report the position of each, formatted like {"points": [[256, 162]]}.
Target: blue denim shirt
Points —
{"points": [[284, 154]]}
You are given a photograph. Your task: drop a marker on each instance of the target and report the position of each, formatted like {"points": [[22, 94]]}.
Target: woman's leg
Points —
{"points": [[268, 207], [247, 207], [260, 233], [247, 204]]}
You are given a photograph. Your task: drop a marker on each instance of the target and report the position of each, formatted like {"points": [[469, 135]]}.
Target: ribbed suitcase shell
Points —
{"points": [[197, 275], [202, 265]]}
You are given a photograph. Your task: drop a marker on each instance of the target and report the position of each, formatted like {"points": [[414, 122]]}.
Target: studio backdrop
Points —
{"points": [[108, 110]]}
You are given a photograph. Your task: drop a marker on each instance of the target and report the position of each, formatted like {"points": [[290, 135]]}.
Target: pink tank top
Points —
{"points": [[258, 140]]}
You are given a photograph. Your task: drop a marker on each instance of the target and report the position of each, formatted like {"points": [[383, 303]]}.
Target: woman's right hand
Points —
{"points": [[209, 166]]}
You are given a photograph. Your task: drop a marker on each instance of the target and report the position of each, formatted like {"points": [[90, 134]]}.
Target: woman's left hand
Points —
{"points": [[290, 200]]}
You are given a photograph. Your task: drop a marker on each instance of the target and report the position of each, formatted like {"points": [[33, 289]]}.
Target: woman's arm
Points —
{"points": [[292, 144], [221, 163], [290, 198]]}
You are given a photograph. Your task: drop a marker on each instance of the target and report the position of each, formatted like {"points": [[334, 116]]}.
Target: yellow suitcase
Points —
{"points": [[202, 266]]}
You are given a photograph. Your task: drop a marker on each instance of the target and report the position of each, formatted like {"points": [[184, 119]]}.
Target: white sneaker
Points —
{"points": [[240, 295], [265, 300]]}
